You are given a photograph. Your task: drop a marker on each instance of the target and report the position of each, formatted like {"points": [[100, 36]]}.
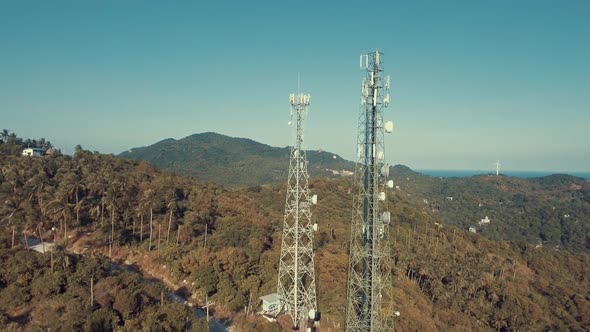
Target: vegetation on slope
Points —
{"points": [[552, 210], [231, 161], [43, 292], [225, 244], [110, 205]]}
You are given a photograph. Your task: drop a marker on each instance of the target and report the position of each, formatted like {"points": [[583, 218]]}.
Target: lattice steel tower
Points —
{"points": [[369, 277], [296, 285]]}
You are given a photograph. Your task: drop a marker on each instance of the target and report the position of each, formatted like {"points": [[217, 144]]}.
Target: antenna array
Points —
{"points": [[369, 282], [296, 284]]}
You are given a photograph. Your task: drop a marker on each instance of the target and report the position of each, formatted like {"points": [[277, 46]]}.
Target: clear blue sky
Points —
{"points": [[472, 81]]}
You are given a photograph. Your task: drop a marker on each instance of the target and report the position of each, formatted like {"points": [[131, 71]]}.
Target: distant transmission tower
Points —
{"points": [[296, 286], [369, 283]]}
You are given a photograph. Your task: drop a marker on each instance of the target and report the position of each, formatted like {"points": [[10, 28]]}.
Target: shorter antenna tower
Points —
{"points": [[296, 285]]}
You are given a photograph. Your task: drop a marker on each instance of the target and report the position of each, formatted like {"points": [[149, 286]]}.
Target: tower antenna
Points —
{"points": [[296, 285], [497, 163], [369, 284]]}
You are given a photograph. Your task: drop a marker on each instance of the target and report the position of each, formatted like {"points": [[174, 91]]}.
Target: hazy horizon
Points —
{"points": [[472, 82]]}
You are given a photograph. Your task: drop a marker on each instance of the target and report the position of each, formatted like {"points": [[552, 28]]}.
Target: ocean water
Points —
{"points": [[518, 174]]}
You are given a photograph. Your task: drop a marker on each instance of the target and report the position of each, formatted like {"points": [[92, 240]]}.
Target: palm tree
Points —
{"points": [[140, 210], [111, 199], [12, 139], [13, 212], [111, 242], [4, 135], [72, 184], [59, 210], [151, 201], [77, 186], [42, 143], [97, 185], [172, 204], [60, 257], [117, 194], [40, 191], [13, 205]]}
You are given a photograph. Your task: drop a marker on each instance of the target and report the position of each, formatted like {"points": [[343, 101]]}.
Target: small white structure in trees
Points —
{"points": [[484, 221], [472, 229], [34, 244], [43, 247], [341, 173], [33, 152], [271, 304]]}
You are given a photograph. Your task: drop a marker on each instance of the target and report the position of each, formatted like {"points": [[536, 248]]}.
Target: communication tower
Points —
{"points": [[296, 285], [369, 281]]}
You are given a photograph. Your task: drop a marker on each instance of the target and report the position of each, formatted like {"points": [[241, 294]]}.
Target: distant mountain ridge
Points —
{"points": [[550, 210], [233, 161]]}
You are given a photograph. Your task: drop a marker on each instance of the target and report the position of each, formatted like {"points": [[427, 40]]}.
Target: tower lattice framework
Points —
{"points": [[369, 275], [296, 284]]}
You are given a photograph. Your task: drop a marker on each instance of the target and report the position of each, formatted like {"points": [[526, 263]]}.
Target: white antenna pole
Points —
{"points": [[497, 168]]}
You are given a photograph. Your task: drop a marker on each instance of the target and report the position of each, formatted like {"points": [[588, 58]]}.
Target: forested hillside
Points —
{"points": [[207, 240], [232, 161], [43, 292], [550, 211]]}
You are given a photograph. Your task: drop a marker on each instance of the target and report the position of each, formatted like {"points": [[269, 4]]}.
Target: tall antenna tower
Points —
{"points": [[369, 282], [296, 286], [497, 163]]}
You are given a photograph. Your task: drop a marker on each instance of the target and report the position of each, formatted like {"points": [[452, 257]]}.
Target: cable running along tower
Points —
{"points": [[296, 284], [369, 282]]}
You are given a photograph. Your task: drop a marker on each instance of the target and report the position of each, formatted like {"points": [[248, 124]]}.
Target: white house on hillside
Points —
{"points": [[33, 152]]}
